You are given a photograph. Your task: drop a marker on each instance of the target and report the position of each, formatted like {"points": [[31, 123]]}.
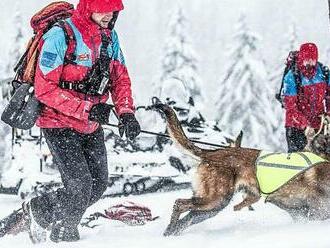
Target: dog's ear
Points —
{"points": [[237, 142]]}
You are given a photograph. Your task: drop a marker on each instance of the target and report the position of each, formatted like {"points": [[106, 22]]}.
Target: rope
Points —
{"points": [[168, 137], [325, 126]]}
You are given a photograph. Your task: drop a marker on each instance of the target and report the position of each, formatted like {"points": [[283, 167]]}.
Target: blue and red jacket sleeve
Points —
{"points": [[121, 92], [294, 117], [48, 75]]}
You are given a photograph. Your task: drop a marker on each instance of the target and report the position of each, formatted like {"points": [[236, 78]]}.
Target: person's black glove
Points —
{"points": [[129, 125], [100, 113]]}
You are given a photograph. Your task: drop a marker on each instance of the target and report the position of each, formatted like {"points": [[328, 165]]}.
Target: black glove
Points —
{"points": [[100, 113], [129, 125]]}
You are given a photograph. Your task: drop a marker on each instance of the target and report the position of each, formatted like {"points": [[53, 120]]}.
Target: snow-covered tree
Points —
{"points": [[325, 57], [179, 81], [5, 142], [16, 45], [290, 43], [243, 100]]}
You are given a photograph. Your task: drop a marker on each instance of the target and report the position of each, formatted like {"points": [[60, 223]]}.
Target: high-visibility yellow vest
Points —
{"points": [[276, 169]]}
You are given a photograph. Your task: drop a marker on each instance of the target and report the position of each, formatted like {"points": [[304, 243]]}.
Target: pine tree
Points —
{"points": [[5, 142], [325, 57], [276, 75], [243, 98], [17, 43], [179, 81]]}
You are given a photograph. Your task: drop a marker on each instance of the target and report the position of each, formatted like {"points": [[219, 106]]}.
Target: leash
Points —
{"points": [[155, 100], [169, 137]]}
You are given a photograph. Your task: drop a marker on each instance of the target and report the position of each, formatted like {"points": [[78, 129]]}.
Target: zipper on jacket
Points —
{"points": [[95, 58]]}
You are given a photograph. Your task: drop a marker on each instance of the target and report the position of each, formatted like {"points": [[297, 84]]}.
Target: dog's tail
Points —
{"points": [[176, 132]]}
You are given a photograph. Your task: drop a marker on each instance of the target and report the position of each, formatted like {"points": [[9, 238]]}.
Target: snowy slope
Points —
{"points": [[267, 226]]}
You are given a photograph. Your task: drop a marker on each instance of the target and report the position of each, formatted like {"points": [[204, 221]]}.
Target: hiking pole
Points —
{"points": [[168, 137]]}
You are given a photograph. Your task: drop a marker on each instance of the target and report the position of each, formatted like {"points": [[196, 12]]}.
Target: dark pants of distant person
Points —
{"points": [[296, 139]]}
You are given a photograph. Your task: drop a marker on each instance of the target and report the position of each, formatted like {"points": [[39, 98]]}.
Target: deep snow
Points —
{"points": [[267, 226]]}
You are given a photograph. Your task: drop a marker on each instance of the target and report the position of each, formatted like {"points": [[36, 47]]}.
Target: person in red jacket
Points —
{"points": [[74, 95], [306, 91]]}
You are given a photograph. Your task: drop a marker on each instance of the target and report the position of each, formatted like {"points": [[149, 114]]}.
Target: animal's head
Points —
{"points": [[319, 143]]}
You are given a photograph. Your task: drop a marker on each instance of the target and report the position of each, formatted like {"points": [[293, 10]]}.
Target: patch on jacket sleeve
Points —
{"points": [[48, 59], [83, 57]]}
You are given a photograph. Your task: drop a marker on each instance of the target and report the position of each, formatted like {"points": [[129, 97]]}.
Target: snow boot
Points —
{"points": [[36, 232], [61, 232]]}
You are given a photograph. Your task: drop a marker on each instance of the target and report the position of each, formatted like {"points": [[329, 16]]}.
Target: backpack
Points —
{"points": [[23, 108], [291, 64], [128, 212], [52, 15]]}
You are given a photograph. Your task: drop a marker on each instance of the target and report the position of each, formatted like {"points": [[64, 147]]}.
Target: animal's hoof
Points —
{"points": [[237, 208], [169, 231]]}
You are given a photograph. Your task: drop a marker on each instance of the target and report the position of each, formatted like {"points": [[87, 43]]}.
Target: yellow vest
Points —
{"points": [[276, 169]]}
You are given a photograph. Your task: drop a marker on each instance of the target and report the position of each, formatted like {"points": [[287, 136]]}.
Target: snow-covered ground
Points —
{"points": [[267, 226]]}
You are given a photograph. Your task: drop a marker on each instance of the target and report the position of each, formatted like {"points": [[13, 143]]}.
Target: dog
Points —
{"points": [[222, 172]]}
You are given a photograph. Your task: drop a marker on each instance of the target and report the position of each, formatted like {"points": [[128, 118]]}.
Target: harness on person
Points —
{"points": [[97, 79], [291, 64], [23, 108], [274, 170]]}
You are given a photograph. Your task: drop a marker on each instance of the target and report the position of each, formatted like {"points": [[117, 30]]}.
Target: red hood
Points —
{"points": [[85, 8], [307, 51]]}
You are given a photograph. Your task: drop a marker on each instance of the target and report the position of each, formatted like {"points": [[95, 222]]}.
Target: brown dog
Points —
{"points": [[222, 172]]}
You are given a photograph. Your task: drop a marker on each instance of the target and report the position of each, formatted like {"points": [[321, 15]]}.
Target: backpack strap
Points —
{"points": [[325, 71], [97, 80], [70, 40]]}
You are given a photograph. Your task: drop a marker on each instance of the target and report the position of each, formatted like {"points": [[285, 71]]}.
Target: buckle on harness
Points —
{"points": [[103, 85]]}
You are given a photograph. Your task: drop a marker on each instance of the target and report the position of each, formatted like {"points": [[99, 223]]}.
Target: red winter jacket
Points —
{"points": [[311, 104], [67, 108]]}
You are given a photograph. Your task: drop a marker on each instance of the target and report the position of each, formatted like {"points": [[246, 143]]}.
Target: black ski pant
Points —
{"points": [[82, 163], [296, 139]]}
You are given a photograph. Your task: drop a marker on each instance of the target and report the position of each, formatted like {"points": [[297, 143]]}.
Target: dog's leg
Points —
{"points": [[180, 206], [192, 218], [293, 198], [200, 210], [249, 185], [213, 189], [199, 213], [319, 207], [247, 202], [297, 209]]}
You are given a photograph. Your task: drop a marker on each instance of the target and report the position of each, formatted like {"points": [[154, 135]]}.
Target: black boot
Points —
{"points": [[61, 232]]}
